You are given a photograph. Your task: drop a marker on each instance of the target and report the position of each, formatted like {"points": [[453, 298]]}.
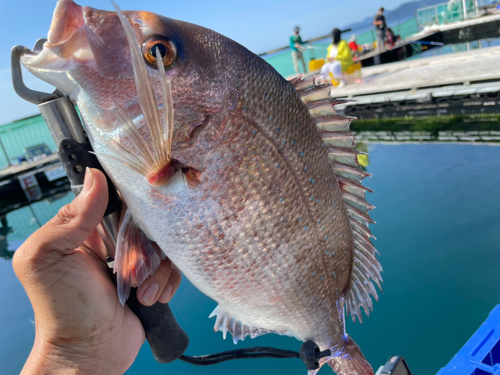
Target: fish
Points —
{"points": [[249, 183]]}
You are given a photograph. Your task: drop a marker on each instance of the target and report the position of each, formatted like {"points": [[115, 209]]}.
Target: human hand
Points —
{"points": [[81, 327]]}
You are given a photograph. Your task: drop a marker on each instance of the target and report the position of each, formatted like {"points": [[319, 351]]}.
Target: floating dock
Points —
{"points": [[401, 50], [464, 83], [487, 26], [26, 183]]}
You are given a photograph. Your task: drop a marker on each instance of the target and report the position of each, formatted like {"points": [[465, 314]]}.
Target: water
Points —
{"points": [[282, 61], [439, 238]]}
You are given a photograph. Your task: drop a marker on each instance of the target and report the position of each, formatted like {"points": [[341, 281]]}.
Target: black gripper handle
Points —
{"points": [[167, 339], [75, 157]]}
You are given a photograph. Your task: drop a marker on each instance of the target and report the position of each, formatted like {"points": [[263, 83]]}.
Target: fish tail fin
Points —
{"points": [[350, 360]]}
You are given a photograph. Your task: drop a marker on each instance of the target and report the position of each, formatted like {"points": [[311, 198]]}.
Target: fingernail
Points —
{"points": [[150, 293], [88, 182], [167, 294]]}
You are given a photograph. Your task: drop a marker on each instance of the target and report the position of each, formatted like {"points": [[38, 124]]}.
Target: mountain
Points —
{"points": [[402, 13]]}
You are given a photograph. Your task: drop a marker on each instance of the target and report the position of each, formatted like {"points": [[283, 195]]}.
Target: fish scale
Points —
{"points": [[237, 193], [248, 205]]}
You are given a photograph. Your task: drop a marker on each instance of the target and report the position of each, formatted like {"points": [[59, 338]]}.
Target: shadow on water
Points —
{"points": [[4, 245]]}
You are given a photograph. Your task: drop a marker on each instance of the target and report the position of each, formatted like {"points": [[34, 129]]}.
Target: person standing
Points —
{"points": [[380, 27], [296, 47]]}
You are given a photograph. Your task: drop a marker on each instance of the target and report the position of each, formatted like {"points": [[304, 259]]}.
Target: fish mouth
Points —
{"points": [[67, 43]]}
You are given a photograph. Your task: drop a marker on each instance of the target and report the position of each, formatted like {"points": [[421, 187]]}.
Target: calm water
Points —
{"points": [[282, 61], [438, 233]]}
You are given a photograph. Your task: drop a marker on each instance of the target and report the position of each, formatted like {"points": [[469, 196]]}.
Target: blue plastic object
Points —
{"points": [[481, 354]]}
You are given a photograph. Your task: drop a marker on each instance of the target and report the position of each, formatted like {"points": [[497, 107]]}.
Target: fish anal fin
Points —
{"points": [[136, 257], [226, 323]]}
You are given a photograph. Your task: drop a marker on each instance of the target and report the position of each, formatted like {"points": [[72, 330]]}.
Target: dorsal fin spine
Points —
{"points": [[314, 93], [350, 173], [336, 134], [364, 242], [361, 229], [359, 216], [360, 204], [353, 187]]}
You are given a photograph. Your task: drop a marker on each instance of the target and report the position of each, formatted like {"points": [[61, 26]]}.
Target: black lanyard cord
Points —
{"points": [[309, 354]]}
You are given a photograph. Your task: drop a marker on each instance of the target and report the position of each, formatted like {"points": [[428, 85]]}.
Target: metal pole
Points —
{"points": [[476, 5], [464, 4], [5, 152]]}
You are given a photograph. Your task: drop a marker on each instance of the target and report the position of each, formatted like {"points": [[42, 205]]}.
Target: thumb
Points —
{"points": [[73, 223]]}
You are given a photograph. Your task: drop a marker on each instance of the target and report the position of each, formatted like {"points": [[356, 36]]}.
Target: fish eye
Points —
{"points": [[166, 48]]}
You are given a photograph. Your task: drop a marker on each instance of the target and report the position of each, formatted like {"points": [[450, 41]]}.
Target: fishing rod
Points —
{"points": [[168, 341]]}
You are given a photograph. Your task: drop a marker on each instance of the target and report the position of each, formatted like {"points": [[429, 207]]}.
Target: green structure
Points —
{"points": [[21, 134]]}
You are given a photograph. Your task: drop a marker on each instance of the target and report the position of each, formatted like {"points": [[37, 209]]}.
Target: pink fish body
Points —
{"points": [[247, 182]]}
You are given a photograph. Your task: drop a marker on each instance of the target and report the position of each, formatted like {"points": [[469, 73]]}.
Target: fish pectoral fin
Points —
{"points": [[136, 257], [225, 322]]}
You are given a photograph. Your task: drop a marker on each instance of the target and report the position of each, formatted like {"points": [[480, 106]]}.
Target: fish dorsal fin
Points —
{"points": [[136, 257], [339, 141], [227, 323]]}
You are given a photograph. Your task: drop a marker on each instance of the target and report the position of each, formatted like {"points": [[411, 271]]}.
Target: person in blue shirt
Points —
{"points": [[296, 47]]}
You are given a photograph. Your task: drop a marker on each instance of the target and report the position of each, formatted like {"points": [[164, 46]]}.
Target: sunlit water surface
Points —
{"points": [[438, 230]]}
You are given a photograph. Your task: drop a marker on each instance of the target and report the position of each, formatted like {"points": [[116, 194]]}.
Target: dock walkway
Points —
{"points": [[26, 183], [482, 27], [22, 168], [462, 68], [465, 84]]}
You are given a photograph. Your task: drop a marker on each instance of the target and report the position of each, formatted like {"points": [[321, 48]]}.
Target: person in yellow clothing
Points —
{"points": [[338, 59]]}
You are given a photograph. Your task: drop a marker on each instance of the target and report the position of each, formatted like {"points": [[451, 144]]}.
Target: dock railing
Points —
{"points": [[452, 11]]}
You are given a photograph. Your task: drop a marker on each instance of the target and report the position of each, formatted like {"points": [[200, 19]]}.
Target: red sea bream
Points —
{"points": [[249, 183]]}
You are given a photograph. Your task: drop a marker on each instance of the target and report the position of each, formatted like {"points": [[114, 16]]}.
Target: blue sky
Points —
{"points": [[259, 25]]}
